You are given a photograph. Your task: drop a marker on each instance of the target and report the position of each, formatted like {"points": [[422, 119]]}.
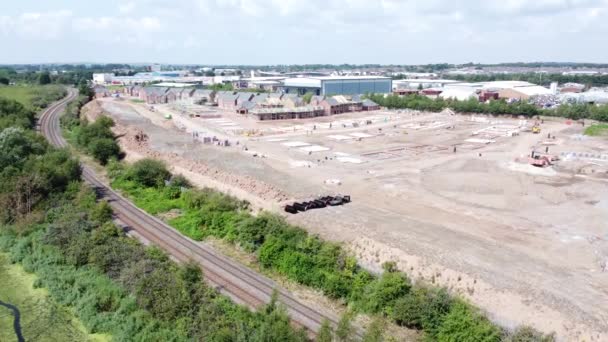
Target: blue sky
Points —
{"points": [[303, 31]]}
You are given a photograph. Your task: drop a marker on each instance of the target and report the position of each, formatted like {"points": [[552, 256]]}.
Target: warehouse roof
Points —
{"points": [[315, 82]]}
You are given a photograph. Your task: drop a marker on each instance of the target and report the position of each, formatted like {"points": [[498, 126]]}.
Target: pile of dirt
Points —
{"points": [[92, 111]]}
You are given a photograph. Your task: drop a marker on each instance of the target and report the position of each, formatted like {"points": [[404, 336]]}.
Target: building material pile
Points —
{"points": [[320, 202]]}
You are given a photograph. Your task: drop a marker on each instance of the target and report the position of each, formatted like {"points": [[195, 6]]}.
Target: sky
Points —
{"points": [[260, 32]]}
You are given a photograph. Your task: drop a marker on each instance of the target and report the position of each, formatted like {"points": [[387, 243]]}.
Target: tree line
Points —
{"points": [[493, 107], [51, 223]]}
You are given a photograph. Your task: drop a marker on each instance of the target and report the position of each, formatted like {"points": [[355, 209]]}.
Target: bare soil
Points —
{"points": [[528, 245]]}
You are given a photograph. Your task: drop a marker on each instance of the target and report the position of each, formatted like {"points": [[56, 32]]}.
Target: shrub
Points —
{"points": [[382, 293], [465, 324], [148, 172], [528, 334]]}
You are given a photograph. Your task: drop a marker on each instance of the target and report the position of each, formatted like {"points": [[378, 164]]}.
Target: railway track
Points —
{"points": [[230, 278]]}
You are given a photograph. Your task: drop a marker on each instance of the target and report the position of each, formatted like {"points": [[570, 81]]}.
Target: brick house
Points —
{"points": [[154, 95]]}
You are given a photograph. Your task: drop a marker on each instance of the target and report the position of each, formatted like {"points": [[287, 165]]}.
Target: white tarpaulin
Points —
{"points": [[314, 148], [295, 144]]}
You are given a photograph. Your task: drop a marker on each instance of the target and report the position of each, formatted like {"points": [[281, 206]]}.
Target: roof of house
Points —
{"points": [[296, 100], [273, 101], [341, 99], [356, 98], [317, 98], [155, 90], [202, 92], [248, 105], [229, 97], [259, 98], [369, 103], [332, 102]]}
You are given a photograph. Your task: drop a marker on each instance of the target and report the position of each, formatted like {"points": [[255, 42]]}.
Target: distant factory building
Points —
{"points": [[422, 83], [102, 78], [338, 85], [518, 90]]}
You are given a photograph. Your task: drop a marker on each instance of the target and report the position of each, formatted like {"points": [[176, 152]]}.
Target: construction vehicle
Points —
{"points": [[536, 129], [539, 160]]}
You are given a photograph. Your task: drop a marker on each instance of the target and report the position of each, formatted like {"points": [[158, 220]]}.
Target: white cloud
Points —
{"points": [[126, 8], [293, 31], [45, 26]]}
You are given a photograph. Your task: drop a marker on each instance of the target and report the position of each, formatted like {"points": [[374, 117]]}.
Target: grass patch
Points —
{"points": [[137, 101], [33, 97], [42, 319], [597, 130]]}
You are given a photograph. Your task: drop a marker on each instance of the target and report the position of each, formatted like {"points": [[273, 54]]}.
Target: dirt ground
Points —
{"points": [[450, 198]]}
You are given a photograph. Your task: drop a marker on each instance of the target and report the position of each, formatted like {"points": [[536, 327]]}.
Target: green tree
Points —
{"points": [[148, 172], [103, 149], [465, 324], [44, 78], [307, 97], [382, 293]]}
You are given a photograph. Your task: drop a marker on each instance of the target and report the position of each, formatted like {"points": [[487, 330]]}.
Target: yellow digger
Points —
{"points": [[536, 128]]}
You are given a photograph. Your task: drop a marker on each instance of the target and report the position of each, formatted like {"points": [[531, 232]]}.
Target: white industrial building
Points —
{"points": [[103, 78], [416, 83]]}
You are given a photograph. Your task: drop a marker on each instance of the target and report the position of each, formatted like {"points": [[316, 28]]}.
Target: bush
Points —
{"points": [[14, 114], [97, 138], [382, 293], [148, 173], [103, 149], [465, 324], [528, 334]]}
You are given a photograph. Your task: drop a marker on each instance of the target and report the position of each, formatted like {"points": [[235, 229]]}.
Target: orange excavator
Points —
{"points": [[541, 160]]}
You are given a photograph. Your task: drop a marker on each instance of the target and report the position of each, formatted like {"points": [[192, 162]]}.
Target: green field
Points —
{"points": [[597, 130], [41, 318], [33, 97]]}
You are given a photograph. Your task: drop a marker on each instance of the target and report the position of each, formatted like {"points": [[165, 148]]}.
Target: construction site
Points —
{"points": [[508, 212]]}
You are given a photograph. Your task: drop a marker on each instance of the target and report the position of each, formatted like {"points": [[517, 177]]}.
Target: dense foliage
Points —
{"points": [[95, 138], [493, 107], [306, 259], [52, 224]]}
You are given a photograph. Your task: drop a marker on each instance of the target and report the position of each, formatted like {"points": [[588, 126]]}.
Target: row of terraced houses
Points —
{"points": [[263, 106]]}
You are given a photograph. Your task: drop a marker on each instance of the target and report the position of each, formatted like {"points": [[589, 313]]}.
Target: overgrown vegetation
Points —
{"points": [[306, 259], [96, 138], [33, 97], [51, 223], [494, 107], [42, 318]]}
